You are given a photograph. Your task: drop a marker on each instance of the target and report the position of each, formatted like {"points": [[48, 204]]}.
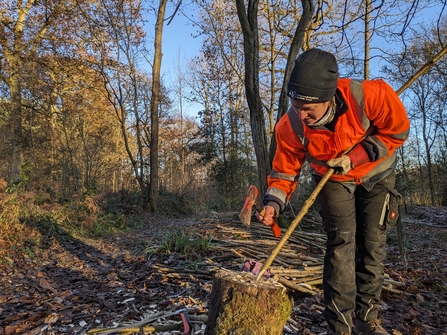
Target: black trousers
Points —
{"points": [[355, 251]]}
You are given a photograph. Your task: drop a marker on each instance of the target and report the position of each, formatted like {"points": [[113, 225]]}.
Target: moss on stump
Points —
{"points": [[240, 305]]}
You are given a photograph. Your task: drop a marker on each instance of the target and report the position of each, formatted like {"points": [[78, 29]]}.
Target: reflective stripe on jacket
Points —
{"points": [[365, 104]]}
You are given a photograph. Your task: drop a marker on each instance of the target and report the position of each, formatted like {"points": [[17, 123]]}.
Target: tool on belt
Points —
{"points": [[252, 198]]}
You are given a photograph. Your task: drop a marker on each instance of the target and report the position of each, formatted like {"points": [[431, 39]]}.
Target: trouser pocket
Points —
{"points": [[390, 211]]}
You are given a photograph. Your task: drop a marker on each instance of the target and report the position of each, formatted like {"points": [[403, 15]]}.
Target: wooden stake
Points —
{"points": [[307, 204]]}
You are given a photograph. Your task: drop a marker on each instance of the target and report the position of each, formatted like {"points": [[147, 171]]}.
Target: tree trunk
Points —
{"points": [[297, 42], [241, 305], [249, 25], [15, 121], [15, 51], [155, 102]]}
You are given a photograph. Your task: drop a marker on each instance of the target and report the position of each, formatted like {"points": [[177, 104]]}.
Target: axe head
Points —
{"points": [[247, 210]]}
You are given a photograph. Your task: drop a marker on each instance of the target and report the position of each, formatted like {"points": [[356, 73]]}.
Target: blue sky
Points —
{"points": [[178, 42], [178, 39]]}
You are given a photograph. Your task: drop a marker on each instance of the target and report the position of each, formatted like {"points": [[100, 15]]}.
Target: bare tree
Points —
{"points": [[367, 53], [117, 49], [426, 84], [297, 43], [154, 105], [248, 18]]}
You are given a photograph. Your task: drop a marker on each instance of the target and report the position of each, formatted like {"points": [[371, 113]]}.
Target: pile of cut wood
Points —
{"points": [[298, 266]]}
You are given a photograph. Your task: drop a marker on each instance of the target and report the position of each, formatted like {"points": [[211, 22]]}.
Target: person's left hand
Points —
{"points": [[342, 165]]}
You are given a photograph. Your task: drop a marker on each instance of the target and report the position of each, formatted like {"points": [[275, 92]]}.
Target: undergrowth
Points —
{"points": [[30, 221], [188, 245]]}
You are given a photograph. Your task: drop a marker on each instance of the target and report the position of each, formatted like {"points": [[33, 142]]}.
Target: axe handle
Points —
{"points": [[274, 226], [275, 229]]}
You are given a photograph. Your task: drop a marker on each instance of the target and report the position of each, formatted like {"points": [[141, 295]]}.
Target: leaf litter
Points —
{"points": [[76, 286]]}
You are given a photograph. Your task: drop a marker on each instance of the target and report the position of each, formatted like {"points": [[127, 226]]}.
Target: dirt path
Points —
{"points": [[71, 285]]}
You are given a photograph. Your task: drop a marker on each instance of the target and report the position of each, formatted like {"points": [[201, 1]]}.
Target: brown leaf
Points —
{"points": [[46, 285], [420, 297], [413, 312], [52, 318], [10, 330]]}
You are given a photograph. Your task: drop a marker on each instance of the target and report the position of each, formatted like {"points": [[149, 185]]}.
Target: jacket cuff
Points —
{"points": [[358, 156], [275, 207], [271, 200]]}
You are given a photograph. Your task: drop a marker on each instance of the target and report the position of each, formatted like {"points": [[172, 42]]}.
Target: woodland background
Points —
{"points": [[106, 181], [85, 109]]}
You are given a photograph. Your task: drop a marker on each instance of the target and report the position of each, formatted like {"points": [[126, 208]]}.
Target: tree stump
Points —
{"points": [[240, 305]]}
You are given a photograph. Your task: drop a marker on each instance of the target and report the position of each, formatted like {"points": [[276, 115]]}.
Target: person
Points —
{"points": [[354, 127]]}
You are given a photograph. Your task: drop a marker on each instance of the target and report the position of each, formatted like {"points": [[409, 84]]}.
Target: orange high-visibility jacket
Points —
{"points": [[369, 113]]}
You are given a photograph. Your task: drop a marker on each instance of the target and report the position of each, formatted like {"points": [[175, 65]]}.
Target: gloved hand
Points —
{"points": [[267, 217], [342, 165]]}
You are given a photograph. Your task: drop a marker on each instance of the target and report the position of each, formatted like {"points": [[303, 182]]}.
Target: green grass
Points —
{"points": [[179, 242]]}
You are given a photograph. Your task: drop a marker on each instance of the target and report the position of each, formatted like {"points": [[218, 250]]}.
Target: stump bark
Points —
{"points": [[241, 305]]}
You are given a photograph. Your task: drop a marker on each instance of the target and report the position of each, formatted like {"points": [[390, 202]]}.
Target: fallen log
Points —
{"points": [[241, 305]]}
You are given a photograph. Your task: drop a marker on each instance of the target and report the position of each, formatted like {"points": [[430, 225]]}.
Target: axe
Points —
{"points": [[252, 198]]}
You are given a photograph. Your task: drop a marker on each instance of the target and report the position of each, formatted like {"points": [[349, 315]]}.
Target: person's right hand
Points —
{"points": [[267, 215], [342, 165]]}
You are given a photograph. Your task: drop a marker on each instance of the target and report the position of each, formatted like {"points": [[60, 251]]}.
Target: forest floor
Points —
{"points": [[74, 286]]}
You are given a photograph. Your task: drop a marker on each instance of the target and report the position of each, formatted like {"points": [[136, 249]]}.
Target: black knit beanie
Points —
{"points": [[314, 76]]}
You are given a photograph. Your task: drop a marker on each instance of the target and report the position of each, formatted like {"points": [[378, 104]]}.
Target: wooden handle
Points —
{"points": [[275, 229]]}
